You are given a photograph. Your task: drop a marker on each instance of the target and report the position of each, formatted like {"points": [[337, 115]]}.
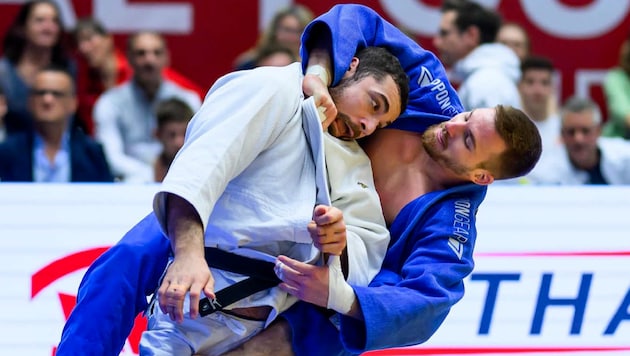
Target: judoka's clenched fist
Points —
{"points": [[328, 230]]}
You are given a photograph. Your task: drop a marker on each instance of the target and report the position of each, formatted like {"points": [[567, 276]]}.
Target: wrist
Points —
{"points": [[320, 72], [341, 296]]}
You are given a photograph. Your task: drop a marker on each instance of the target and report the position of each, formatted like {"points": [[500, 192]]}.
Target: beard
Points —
{"points": [[338, 128], [435, 150]]}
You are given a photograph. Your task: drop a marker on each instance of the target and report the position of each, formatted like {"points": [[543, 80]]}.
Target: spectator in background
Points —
{"points": [[173, 116], [32, 42], [276, 56], [124, 116], [617, 91], [586, 158], [284, 30], [536, 90], [54, 151], [514, 36], [102, 66], [488, 71]]}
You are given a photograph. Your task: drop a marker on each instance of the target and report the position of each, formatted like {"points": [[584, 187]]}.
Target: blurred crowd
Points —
{"points": [[86, 111]]}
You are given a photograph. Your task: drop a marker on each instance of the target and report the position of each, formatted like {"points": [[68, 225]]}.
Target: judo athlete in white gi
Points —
{"points": [[246, 181]]}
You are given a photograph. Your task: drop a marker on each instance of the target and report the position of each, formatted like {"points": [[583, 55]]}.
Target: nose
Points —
{"points": [[454, 128], [85, 47], [368, 126]]}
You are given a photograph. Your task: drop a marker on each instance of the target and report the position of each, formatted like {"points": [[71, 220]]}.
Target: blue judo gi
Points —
{"points": [[432, 238], [420, 259]]}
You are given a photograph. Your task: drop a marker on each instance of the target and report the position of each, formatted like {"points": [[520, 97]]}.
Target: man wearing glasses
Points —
{"points": [[53, 152], [586, 158]]}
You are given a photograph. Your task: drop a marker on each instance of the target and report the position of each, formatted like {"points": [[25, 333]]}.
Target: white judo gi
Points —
{"points": [[253, 168]]}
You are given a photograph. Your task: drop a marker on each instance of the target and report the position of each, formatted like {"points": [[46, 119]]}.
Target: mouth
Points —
{"points": [[348, 129], [342, 130]]}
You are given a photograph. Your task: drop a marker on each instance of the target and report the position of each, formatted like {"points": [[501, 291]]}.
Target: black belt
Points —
{"points": [[261, 277]]}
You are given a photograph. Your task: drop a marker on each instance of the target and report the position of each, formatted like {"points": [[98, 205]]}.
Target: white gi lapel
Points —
{"points": [[314, 135]]}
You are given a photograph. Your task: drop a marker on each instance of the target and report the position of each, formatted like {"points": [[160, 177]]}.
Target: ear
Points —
{"points": [[472, 36], [353, 67], [482, 177]]}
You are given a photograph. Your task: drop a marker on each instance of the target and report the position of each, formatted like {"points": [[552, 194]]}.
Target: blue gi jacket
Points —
{"points": [[430, 253], [427, 259]]}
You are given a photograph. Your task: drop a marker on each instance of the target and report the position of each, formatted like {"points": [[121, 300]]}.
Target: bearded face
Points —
{"points": [[342, 128], [435, 141]]}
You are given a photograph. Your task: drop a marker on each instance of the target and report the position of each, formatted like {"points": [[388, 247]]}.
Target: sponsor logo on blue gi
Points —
{"points": [[461, 227], [443, 98]]}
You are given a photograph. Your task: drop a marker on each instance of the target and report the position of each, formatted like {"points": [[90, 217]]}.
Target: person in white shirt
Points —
{"points": [[587, 157], [124, 116], [487, 71]]}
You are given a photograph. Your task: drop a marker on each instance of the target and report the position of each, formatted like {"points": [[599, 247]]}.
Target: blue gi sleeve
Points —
{"points": [[347, 28], [423, 272], [114, 290]]}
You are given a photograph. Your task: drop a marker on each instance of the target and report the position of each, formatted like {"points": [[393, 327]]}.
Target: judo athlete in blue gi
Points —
{"points": [[426, 256], [429, 202]]}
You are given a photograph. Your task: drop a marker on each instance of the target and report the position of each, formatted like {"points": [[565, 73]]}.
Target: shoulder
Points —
{"points": [[5, 65], [118, 92], [614, 146], [265, 80], [286, 78], [436, 205], [15, 145], [188, 95], [84, 145], [616, 75]]}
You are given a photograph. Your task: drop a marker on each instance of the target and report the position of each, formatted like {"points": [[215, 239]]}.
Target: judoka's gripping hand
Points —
{"points": [[189, 271], [314, 86], [320, 285], [328, 230]]}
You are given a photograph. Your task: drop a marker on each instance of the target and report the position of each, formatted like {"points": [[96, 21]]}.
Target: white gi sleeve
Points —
{"points": [[243, 113]]}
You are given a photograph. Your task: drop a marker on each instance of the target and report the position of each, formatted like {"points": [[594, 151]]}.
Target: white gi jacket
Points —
{"points": [[248, 169]]}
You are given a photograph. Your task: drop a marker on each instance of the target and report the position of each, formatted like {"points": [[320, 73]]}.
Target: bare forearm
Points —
{"points": [[184, 226]]}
